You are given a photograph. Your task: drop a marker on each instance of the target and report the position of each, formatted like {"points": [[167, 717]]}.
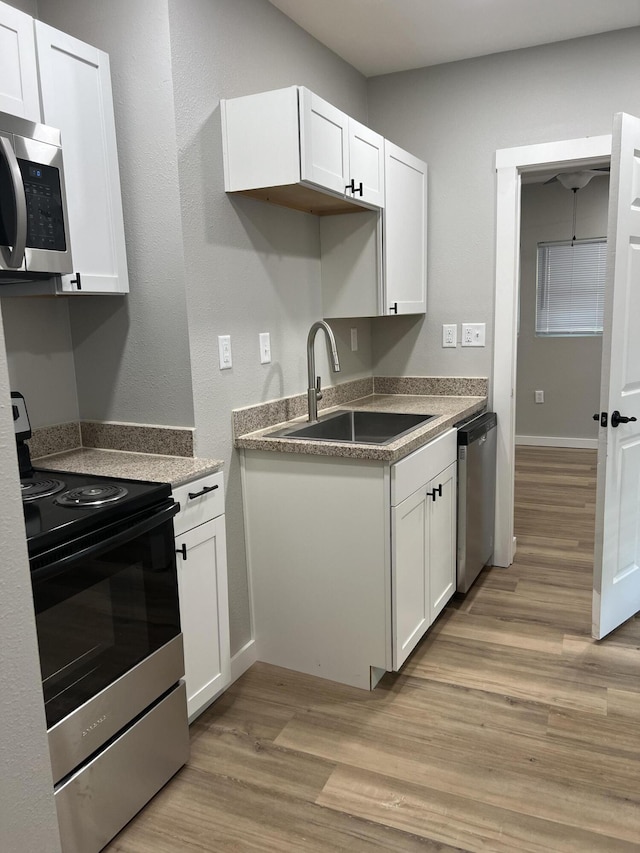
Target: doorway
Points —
{"points": [[511, 165], [564, 218]]}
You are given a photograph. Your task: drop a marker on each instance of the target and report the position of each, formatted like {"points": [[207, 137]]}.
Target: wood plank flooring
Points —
{"points": [[509, 729]]}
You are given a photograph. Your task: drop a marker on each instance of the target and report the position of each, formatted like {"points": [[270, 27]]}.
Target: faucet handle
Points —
{"points": [[318, 387]]}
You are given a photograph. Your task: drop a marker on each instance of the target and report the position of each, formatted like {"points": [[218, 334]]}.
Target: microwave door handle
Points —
{"points": [[13, 259]]}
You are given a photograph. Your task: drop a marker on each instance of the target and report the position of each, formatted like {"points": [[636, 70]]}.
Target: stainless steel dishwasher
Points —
{"points": [[476, 496]]}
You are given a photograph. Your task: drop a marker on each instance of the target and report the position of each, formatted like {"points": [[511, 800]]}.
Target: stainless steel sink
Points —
{"points": [[362, 427]]}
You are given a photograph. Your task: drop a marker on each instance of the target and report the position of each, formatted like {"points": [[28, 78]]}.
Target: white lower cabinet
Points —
{"points": [[202, 586], [350, 560], [423, 560]]}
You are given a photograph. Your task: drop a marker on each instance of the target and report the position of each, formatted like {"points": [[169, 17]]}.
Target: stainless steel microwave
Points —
{"points": [[34, 226]]}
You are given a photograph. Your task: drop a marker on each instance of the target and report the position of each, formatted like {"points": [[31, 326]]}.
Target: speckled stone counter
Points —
{"points": [[133, 466], [448, 409]]}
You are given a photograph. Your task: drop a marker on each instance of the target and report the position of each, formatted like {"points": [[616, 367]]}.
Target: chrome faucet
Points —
{"points": [[313, 392]]}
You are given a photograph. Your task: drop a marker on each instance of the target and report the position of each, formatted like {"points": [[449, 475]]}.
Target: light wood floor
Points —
{"points": [[508, 730]]}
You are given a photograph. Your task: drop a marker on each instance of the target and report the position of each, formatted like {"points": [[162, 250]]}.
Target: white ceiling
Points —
{"points": [[383, 36]]}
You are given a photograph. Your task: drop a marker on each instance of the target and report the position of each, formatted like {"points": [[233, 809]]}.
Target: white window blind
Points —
{"points": [[570, 289]]}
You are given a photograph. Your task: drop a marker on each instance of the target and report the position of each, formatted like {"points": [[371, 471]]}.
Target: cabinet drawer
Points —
{"points": [[200, 501], [422, 465]]}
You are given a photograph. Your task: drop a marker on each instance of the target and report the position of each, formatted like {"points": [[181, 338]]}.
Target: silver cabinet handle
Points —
{"points": [[14, 259]]}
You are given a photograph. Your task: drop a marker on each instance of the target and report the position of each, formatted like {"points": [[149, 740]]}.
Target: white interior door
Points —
{"points": [[616, 580]]}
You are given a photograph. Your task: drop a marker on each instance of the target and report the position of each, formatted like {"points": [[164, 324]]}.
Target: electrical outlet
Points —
{"points": [[224, 351], [265, 347], [449, 335], [473, 334], [539, 396], [354, 339]]}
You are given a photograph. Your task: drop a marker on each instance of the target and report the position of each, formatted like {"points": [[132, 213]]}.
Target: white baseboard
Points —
{"points": [[556, 441], [243, 659]]}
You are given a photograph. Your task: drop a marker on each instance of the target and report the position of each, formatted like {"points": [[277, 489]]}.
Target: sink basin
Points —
{"points": [[362, 427]]}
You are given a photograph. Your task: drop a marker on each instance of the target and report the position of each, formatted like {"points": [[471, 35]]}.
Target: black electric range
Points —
{"points": [[60, 506]]}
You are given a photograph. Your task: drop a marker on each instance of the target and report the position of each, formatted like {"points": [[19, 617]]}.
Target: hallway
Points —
{"points": [[508, 729]]}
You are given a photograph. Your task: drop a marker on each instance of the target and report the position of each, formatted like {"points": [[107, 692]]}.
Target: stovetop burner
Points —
{"points": [[92, 495], [34, 489], [82, 503]]}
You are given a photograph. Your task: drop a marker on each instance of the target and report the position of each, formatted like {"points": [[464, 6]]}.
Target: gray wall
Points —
{"points": [[251, 267], [40, 358], [28, 6], [455, 116], [566, 369], [132, 353], [27, 812]]}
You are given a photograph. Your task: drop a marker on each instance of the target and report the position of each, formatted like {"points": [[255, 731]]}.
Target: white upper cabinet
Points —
{"points": [[338, 153], [18, 69], [324, 143], [366, 164], [76, 98], [291, 147], [405, 233], [375, 263]]}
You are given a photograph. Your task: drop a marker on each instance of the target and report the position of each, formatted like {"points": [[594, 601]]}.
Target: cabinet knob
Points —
{"points": [[436, 493], [182, 550], [355, 189]]}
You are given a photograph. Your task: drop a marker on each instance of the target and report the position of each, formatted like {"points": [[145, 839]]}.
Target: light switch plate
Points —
{"points": [[265, 347], [473, 334], [224, 351]]}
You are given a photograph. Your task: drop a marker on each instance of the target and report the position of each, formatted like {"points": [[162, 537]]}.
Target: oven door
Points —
{"points": [[108, 625]]}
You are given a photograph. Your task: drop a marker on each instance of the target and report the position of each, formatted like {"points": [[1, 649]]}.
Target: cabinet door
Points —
{"points": [[18, 68], [204, 612], [323, 143], [405, 232], [76, 97], [442, 540], [409, 574], [366, 164]]}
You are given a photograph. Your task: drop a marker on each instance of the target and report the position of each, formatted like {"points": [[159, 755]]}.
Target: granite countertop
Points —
{"points": [[449, 410], [132, 466]]}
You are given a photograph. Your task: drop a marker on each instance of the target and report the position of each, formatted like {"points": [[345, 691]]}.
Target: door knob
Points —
{"points": [[617, 418]]}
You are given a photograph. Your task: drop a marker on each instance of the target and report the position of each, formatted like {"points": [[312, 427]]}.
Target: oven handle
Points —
{"points": [[148, 523], [14, 259]]}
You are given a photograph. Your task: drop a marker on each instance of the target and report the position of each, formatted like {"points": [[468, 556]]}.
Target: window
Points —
{"points": [[570, 290]]}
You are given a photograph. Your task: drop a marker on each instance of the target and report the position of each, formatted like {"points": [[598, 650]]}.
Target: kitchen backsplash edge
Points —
{"points": [[135, 438], [261, 415]]}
